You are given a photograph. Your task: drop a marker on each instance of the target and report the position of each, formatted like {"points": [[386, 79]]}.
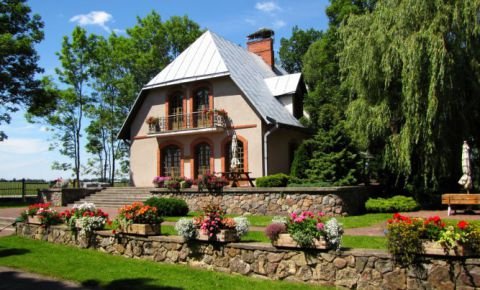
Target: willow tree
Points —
{"points": [[412, 69]]}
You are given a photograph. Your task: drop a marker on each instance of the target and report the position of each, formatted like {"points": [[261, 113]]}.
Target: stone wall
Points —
{"points": [[64, 196], [348, 200], [353, 269]]}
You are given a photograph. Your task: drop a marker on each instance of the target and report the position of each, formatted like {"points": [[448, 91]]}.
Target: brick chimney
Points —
{"points": [[261, 43]]}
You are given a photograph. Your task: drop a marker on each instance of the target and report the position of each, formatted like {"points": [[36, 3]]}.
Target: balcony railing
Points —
{"points": [[190, 121]]}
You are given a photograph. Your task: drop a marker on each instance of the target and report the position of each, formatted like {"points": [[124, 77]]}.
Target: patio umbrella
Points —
{"points": [[235, 161], [466, 179]]}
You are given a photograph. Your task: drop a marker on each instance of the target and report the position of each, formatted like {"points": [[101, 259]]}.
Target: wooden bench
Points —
{"points": [[239, 179], [460, 199]]}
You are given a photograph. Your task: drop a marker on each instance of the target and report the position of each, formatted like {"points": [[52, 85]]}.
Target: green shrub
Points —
{"points": [[274, 180], [398, 203], [297, 182], [168, 206]]}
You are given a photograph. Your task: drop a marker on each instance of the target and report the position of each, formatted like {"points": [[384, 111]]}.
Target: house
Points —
{"points": [[183, 120]]}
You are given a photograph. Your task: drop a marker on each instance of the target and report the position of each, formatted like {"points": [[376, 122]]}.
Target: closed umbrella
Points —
{"points": [[466, 179], [235, 161]]}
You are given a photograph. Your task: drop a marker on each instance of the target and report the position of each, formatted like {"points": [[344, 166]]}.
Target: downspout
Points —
{"points": [[265, 147]]}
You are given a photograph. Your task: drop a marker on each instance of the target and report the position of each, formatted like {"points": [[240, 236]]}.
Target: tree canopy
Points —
{"points": [[294, 48], [19, 32], [412, 71]]}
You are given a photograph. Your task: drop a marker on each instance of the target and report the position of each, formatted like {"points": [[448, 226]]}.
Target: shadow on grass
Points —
{"points": [[127, 284], [27, 281], [13, 252]]}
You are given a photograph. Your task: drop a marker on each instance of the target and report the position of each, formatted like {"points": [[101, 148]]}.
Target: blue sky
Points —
{"points": [[26, 153]]}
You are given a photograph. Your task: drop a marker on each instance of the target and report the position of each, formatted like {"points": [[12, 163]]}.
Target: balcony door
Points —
{"points": [[171, 158], [202, 116], [175, 112], [202, 159]]}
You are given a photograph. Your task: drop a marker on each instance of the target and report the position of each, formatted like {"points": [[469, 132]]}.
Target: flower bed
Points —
{"points": [[41, 213], [85, 218], [139, 219], [409, 237], [212, 225], [305, 230]]}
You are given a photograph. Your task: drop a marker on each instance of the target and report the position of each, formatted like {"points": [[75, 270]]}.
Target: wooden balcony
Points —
{"points": [[191, 123]]}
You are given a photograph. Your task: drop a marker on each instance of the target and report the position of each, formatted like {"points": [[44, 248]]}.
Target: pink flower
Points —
{"points": [[320, 226], [293, 215]]}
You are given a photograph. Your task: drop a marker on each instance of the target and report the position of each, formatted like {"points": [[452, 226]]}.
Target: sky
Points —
{"points": [[26, 154]]}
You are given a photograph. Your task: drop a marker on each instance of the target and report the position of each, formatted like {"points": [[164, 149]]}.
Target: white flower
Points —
{"points": [[334, 232], [85, 206], [186, 229], [242, 225]]}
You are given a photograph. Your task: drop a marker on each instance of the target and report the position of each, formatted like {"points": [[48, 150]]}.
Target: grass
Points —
{"points": [[92, 268], [13, 203], [15, 187]]}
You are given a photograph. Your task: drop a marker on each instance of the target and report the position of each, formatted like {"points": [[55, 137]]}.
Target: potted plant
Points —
{"points": [[153, 125], [305, 230], [85, 218], [41, 213], [211, 182], [409, 237], [212, 225], [221, 112], [159, 181], [138, 219]]}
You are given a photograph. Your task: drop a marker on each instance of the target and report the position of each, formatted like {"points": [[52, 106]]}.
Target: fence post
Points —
{"points": [[24, 188]]}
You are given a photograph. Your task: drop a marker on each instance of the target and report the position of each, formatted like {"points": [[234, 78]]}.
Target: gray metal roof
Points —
{"points": [[213, 56], [283, 85]]}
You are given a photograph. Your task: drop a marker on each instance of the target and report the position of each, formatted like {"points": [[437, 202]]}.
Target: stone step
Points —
{"points": [[118, 197]]}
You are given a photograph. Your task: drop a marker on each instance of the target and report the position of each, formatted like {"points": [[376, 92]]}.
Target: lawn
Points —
{"points": [[92, 268]]}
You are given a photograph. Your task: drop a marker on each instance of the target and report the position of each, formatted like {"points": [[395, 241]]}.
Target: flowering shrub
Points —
{"points": [[47, 215], [211, 182], [406, 236], [186, 228], [86, 216], [139, 213], [241, 225], [274, 229], [213, 220], [305, 228], [159, 181]]}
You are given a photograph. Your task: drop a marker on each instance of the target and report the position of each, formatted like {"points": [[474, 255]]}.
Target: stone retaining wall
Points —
{"points": [[348, 200], [354, 269], [64, 196]]}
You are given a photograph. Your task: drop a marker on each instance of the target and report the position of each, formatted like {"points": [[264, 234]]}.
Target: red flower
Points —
{"points": [[462, 225]]}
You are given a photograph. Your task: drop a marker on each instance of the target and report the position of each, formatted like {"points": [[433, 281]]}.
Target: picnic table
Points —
{"points": [[236, 177]]}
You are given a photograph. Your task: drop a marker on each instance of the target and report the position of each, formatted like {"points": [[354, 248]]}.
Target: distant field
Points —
{"points": [[15, 187]]}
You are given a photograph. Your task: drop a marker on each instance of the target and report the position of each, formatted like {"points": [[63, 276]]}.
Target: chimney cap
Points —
{"points": [[262, 33]]}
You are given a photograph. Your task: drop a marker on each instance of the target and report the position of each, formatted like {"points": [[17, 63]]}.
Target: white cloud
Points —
{"points": [[119, 31], [23, 146], [268, 6], [44, 129], [279, 24], [99, 18]]}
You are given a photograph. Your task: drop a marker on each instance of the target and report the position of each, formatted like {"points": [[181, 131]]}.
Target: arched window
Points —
{"points": [[202, 159], [201, 108], [175, 111], [240, 155], [171, 157]]}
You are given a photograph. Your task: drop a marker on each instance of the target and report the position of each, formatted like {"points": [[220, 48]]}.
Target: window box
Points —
{"points": [[286, 241], [143, 229], [225, 236]]}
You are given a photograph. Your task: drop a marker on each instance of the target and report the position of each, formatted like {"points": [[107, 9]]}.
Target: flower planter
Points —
{"points": [[436, 248], [34, 220], [286, 241], [225, 235], [142, 229]]}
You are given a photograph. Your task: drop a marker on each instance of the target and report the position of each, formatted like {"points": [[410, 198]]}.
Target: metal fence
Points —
{"points": [[21, 188]]}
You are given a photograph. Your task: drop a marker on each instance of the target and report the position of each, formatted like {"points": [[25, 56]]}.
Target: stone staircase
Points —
{"points": [[115, 197], [6, 226]]}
